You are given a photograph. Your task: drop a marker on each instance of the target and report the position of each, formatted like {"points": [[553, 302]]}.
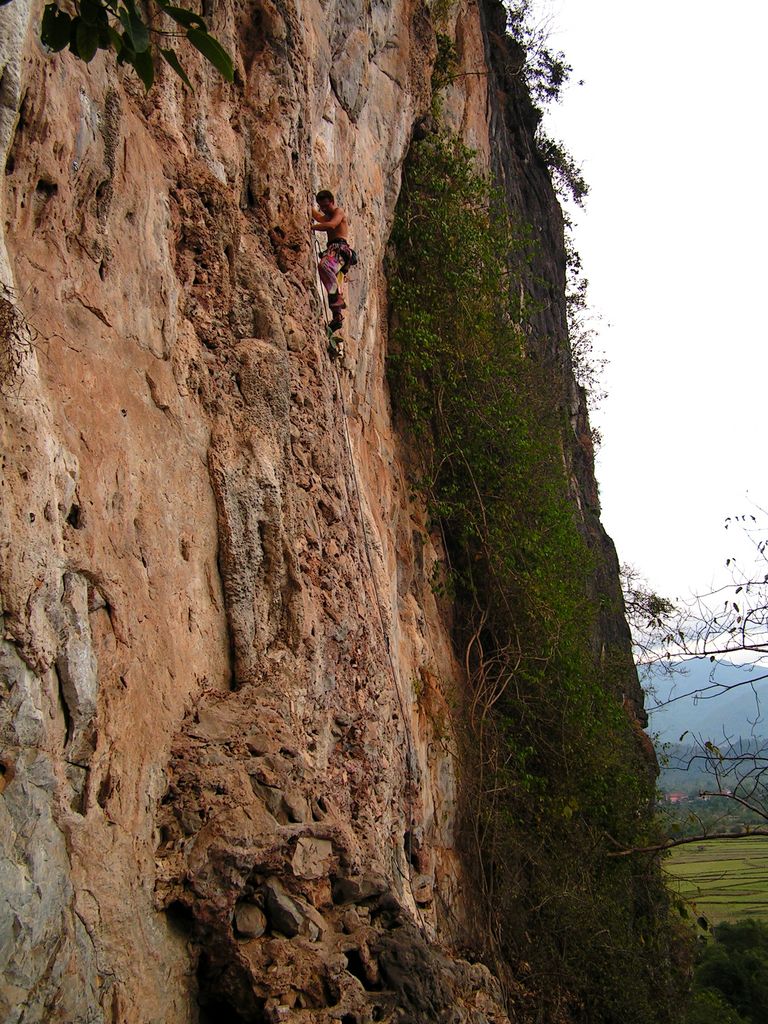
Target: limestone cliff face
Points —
{"points": [[228, 787]]}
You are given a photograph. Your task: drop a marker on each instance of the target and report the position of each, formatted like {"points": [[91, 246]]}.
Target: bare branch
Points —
{"points": [[668, 844]]}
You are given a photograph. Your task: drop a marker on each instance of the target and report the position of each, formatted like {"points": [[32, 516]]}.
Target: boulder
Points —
{"points": [[250, 920], [285, 915], [312, 857]]}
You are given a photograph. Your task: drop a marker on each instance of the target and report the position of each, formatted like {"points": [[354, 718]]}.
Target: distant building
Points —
{"points": [[675, 798]]}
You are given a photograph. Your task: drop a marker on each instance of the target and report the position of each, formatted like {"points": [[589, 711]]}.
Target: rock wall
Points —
{"points": [[228, 775]]}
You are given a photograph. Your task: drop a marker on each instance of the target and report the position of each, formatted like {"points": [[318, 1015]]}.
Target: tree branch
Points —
{"points": [[668, 844]]}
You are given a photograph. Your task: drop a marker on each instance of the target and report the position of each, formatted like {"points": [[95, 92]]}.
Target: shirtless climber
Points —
{"points": [[338, 255]]}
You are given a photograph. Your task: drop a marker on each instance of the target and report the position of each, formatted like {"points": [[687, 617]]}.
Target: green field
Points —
{"points": [[725, 880]]}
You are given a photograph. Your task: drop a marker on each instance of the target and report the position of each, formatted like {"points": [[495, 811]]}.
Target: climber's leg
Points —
{"points": [[340, 289], [328, 268]]}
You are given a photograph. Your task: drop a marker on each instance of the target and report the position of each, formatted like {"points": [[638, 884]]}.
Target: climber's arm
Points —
{"points": [[327, 223]]}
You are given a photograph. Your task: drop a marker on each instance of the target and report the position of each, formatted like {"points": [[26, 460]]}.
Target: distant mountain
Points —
{"points": [[710, 713]]}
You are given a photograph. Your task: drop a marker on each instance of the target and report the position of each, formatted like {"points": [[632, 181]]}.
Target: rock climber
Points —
{"points": [[338, 254]]}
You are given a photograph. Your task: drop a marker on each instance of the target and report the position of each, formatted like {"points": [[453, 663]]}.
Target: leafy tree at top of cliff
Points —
{"points": [[546, 73], [546, 70], [120, 26]]}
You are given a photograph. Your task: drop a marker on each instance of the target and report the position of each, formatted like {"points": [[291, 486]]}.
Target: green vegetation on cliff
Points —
{"points": [[554, 779]]}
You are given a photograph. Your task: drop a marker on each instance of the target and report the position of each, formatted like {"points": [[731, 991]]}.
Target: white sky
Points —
{"points": [[670, 129]]}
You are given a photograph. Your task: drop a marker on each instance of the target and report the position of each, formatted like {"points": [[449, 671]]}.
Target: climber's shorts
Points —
{"points": [[334, 261]]}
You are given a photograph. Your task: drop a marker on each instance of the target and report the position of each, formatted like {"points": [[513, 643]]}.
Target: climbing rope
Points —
{"points": [[410, 756]]}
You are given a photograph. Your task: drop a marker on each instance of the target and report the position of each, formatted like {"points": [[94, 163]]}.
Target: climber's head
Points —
{"points": [[325, 200]]}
